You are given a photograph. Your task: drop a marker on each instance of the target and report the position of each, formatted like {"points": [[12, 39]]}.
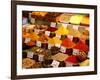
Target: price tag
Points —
{"points": [[65, 25], [88, 55], [58, 36], [68, 64], [75, 27], [47, 33], [55, 63], [57, 45], [59, 24], [63, 49], [29, 16], [41, 58], [27, 40], [30, 54], [70, 37], [87, 28], [25, 26], [53, 24], [27, 29], [24, 21], [38, 43], [75, 51], [32, 20], [50, 45], [36, 31]]}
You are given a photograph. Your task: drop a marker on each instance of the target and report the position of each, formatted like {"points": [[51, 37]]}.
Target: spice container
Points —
{"points": [[54, 50], [61, 31], [71, 61], [66, 46], [27, 63]]}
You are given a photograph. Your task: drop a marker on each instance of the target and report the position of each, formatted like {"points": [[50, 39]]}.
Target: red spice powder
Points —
{"points": [[81, 46], [30, 43], [68, 43], [72, 59], [51, 29]]}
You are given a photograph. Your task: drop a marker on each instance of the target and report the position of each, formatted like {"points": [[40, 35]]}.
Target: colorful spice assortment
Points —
{"points": [[52, 39]]}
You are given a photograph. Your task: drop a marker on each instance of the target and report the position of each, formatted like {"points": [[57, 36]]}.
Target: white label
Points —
{"points": [[25, 21], [57, 45], [75, 27], [38, 43], [55, 63], [53, 24], [88, 55], [27, 29], [36, 31], [30, 54], [58, 36], [41, 57], [25, 26], [32, 20], [27, 40], [65, 25], [47, 33], [59, 24], [50, 45], [70, 37], [69, 64], [63, 49], [29, 16], [87, 28], [75, 51]]}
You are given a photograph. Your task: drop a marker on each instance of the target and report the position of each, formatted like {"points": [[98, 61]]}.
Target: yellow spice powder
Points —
{"points": [[62, 30]]}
